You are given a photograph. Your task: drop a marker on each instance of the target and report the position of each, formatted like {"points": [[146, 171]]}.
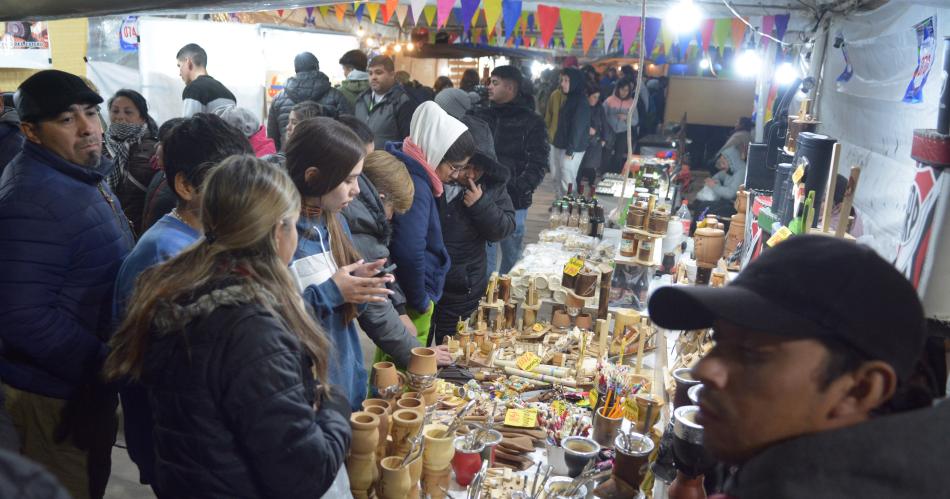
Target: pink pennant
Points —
{"points": [[768, 22], [707, 32], [444, 9], [629, 28]]}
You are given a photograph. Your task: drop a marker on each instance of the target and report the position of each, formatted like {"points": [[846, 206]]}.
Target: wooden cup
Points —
{"points": [[365, 428], [394, 482], [422, 361]]}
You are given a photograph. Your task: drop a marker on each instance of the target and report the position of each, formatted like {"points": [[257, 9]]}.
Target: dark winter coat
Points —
{"points": [[11, 138], [232, 395], [521, 143], [417, 245], [573, 123], [389, 119], [370, 233], [62, 239], [594, 155], [129, 192], [465, 230], [308, 85], [159, 200]]}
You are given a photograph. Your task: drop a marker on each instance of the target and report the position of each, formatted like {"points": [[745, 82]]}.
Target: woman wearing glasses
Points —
{"points": [[438, 145]]}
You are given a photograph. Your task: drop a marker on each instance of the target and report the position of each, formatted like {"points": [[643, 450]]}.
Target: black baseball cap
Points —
{"points": [[811, 287], [48, 93]]}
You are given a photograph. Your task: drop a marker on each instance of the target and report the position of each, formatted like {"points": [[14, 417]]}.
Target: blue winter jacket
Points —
{"points": [[417, 247], [62, 238], [346, 368]]}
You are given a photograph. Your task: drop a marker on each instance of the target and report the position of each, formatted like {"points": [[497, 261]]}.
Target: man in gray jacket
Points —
{"points": [[386, 107]]}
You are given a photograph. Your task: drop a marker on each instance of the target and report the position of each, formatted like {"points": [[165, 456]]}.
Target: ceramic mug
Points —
{"points": [[578, 451], [466, 463]]}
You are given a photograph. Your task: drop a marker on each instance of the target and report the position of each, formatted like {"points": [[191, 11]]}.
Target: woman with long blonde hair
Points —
{"points": [[233, 363]]}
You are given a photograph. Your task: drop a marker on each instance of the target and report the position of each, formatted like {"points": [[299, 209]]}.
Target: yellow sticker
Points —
{"points": [[558, 406], [799, 173], [782, 234], [528, 361], [592, 397], [522, 418], [537, 327], [574, 266], [630, 409]]}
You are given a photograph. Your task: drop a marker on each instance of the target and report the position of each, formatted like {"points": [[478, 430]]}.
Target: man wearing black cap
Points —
{"points": [[521, 143], [813, 379], [62, 238], [475, 209], [309, 85]]}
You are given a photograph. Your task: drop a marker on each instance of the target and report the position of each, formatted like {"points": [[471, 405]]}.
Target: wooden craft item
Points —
{"points": [[628, 243], [828, 203], [541, 377], [574, 301], [530, 315], [622, 319], [602, 337], [568, 281], [848, 200], [709, 245], [422, 361], [504, 288], [584, 321], [606, 275], [511, 313], [644, 327], [531, 298], [586, 283]]}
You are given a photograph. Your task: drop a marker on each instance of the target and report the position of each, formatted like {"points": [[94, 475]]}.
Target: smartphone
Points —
{"points": [[386, 270]]}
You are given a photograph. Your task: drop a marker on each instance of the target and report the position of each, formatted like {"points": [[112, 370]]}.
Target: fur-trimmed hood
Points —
{"points": [[175, 316]]}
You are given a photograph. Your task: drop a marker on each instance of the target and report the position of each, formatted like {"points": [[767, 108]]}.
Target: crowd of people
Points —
{"points": [[214, 274]]}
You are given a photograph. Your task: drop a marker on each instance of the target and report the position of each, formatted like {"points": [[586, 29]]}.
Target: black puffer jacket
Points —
{"points": [[307, 85], [521, 143], [232, 396], [465, 230]]}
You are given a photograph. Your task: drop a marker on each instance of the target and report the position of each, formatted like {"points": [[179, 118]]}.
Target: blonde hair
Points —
{"points": [[391, 179], [243, 200]]}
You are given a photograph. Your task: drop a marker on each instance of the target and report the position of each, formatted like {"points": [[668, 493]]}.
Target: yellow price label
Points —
{"points": [[522, 418], [592, 397], [558, 406], [528, 361], [781, 235], [630, 409], [799, 173], [574, 266], [537, 327]]}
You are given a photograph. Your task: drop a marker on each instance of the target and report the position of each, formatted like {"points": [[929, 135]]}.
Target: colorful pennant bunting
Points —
{"points": [[402, 12], [511, 15], [706, 32], [443, 9], [547, 21], [650, 31], [610, 27], [358, 10], [429, 11], [667, 35], [340, 10], [468, 10], [768, 23], [389, 9], [781, 26], [492, 13], [721, 33], [629, 29], [570, 22], [417, 7], [324, 12], [738, 33], [373, 10]]}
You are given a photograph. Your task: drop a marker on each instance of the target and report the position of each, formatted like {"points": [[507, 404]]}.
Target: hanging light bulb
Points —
{"points": [[360, 32], [748, 63], [397, 48], [371, 42], [684, 17], [785, 74], [704, 64], [410, 46]]}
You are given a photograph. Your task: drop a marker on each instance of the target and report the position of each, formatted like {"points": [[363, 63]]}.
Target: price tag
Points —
{"points": [[574, 266], [799, 173], [782, 234], [522, 418], [630, 409], [592, 397], [528, 361], [558, 406], [537, 327]]}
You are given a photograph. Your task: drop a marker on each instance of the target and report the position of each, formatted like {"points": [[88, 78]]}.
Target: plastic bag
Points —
{"points": [[706, 194]]}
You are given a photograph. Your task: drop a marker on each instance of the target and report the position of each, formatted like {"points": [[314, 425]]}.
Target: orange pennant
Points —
{"points": [[340, 10], [590, 26], [389, 9]]}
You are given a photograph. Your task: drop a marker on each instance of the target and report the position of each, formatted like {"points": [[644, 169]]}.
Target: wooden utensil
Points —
{"points": [[848, 199], [521, 443]]}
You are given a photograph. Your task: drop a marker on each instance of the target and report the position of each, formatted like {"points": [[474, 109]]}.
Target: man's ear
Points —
{"points": [[310, 175], [870, 386], [31, 131], [185, 190]]}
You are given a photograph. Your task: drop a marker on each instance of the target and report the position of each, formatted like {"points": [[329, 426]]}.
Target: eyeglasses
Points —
{"points": [[457, 167]]}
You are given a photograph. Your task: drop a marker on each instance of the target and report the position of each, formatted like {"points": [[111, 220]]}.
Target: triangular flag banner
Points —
{"points": [[721, 33], [389, 9], [706, 32], [469, 9], [781, 26], [475, 17], [280, 12], [358, 12], [417, 7], [666, 34], [402, 12], [429, 11], [511, 13], [570, 22], [610, 27], [309, 11], [547, 21], [492, 12], [324, 12], [525, 18], [738, 33], [534, 40], [768, 22], [531, 22], [650, 30], [443, 8], [340, 10], [373, 10], [683, 43], [590, 25], [629, 28], [526, 41]]}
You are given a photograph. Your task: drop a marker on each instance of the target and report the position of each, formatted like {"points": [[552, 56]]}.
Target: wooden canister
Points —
{"points": [[504, 288], [644, 248], [511, 312], [606, 276], [628, 243], [636, 216], [736, 233], [709, 244], [568, 281], [586, 283], [659, 221]]}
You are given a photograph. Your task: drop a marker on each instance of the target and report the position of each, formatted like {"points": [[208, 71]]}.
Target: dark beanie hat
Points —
{"points": [[305, 61], [50, 92]]}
